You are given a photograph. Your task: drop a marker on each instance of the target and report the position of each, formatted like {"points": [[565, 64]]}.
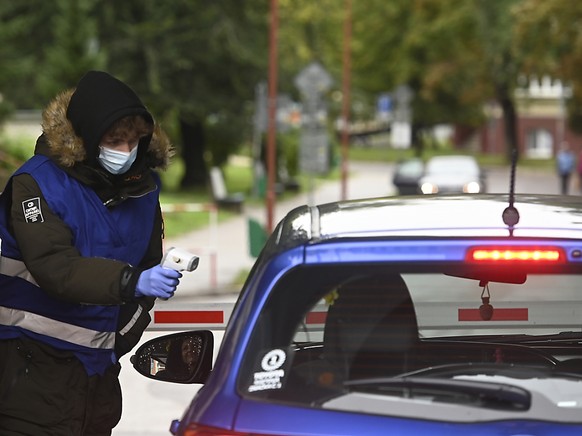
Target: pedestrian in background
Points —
{"points": [[81, 231], [579, 170], [565, 165]]}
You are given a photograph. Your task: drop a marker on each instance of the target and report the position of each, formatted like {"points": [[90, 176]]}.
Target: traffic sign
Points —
{"points": [[314, 151], [313, 79]]}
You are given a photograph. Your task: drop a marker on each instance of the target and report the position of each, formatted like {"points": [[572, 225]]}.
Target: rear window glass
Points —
{"points": [[411, 168], [354, 338]]}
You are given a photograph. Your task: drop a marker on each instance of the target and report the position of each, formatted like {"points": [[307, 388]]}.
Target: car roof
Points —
{"points": [[478, 215]]}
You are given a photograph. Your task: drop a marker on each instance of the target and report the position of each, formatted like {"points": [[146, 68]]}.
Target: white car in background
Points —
{"points": [[453, 174]]}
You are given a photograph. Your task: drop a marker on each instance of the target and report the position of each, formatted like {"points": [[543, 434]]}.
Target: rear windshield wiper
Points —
{"points": [[520, 338], [557, 337], [497, 396]]}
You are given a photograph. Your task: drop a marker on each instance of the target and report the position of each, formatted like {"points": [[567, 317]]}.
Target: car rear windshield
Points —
{"points": [[330, 337]]}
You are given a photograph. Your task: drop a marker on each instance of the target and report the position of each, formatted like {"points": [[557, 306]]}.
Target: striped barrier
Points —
{"points": [[433, 317]]}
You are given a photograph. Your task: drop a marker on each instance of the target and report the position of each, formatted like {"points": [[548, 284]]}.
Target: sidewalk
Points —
{"points": [[229, 240]]}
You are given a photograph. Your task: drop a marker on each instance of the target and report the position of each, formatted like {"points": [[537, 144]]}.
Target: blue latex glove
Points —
{"points": [[157, 282]]}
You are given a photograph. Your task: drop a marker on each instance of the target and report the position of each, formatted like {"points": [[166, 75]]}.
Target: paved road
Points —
{"points": [[149, 406]]}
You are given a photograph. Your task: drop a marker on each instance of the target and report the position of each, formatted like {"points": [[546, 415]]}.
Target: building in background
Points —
{"points": [[541, 124]]}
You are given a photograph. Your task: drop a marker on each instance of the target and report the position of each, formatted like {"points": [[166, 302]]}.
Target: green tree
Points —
{"points": [[559, 52], [503, 64], [197, 63], [309, 31], [73, 49], [22, 31], [455, 55], [44, 49]]}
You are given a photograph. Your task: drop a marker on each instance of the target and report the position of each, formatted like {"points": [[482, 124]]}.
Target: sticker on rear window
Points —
{"points": [[32, 210], [272, 372]]}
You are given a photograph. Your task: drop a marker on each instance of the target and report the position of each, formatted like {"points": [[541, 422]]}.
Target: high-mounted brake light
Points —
{"points": [[516, 254]]}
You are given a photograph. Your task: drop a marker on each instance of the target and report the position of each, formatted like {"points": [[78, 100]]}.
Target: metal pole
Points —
{"points": [[346, 97], [213, 217], [271, 144]]}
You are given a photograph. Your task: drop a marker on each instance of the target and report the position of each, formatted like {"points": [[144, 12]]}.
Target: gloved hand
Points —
{"points": [[157, 282]]}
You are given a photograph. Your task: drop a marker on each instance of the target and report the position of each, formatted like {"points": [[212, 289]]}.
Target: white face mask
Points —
{"points": [[116, 162]]}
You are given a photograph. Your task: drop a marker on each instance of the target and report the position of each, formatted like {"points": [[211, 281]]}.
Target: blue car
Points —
{"points": [[429, 315]]}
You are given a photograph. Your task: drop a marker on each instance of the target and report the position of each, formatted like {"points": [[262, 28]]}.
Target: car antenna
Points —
{"points": [[510, 214]]}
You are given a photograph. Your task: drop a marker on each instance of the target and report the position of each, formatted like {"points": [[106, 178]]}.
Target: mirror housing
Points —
{"points": [[184, 357]]}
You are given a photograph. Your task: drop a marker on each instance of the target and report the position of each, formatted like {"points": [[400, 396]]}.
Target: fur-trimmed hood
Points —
{"points": [[74, 121], [73, 124]]}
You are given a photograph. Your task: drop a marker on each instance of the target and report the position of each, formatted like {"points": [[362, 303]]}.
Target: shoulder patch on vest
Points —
{"points": [[32, 211]]}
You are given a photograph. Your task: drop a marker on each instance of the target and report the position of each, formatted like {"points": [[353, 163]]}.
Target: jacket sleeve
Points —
{"points": [[57, 266], [134, 316]]}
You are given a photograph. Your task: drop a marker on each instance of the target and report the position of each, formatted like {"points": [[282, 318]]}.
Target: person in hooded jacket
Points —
{"points": [[81, 232]]}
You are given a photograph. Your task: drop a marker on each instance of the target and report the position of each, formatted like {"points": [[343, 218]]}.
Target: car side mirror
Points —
{"points": [[184, 357]]}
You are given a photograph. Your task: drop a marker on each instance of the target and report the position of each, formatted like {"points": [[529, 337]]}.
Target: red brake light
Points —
{"points": [[516, 254], [202, 430]]}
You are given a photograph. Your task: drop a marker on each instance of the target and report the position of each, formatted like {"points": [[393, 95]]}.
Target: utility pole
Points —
{"points": [[346, 98], [272, 125]]}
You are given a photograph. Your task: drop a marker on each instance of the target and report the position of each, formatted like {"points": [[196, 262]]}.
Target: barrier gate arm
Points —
{"points": [[432, 316], [193, 316]]}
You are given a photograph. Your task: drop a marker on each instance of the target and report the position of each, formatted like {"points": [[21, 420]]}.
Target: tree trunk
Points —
{"points": [[416, 139], [510, 122], [193, 145]]}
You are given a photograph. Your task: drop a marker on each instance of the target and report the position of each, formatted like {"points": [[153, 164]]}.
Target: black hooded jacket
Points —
{"points": [[73, 124]]}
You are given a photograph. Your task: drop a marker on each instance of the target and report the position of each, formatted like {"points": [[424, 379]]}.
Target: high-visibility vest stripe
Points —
{"points": [[15, 268], [59, 330], [132, 321]]}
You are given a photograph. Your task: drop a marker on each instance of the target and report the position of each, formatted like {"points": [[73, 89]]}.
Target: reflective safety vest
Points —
{"points": [[121, 233]]}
